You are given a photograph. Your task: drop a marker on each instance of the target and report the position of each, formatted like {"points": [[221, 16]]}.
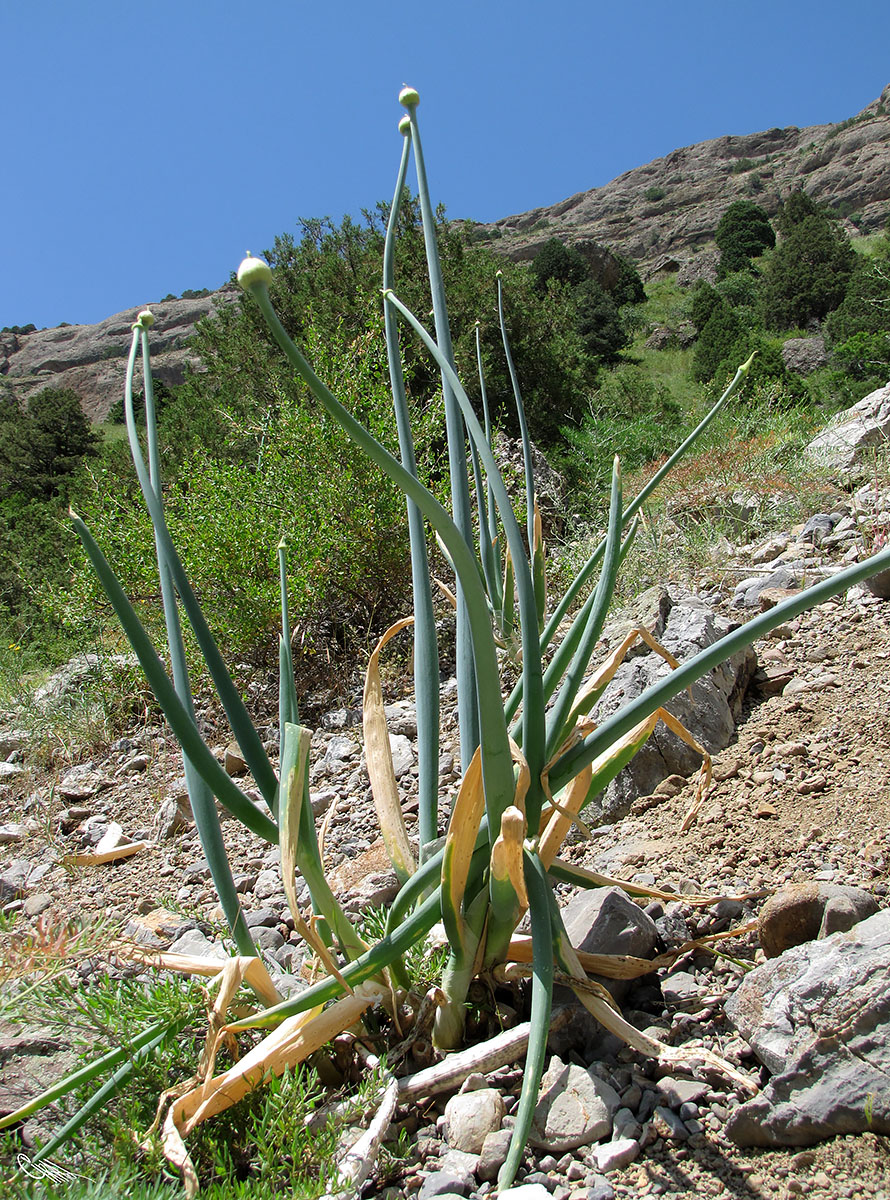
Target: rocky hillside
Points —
{"points": [[662, 215], [92, 359], [669, 208]]}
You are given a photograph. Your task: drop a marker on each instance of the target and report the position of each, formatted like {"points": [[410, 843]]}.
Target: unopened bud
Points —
{"points": [[254, 271], [405, 126], [146, 318], [408, 97]]}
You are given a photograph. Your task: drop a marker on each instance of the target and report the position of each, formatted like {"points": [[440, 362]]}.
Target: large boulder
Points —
{"points": [[845, 442], [804, 355], [818, 1017]]}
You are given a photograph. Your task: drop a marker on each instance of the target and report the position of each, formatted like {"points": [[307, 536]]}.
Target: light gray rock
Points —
{"points": [[668, 1124], [194, 942], [574, 1108], [268, 883], [493, 1154], [682, 1091], [10, 771], [818, 1017], [471, 1116], [612, 1156], [14, 879], [709, 716], [403, 756], [680, 991], [83, 782], [268, 939], [174, 815], [846, 440], [36, 904], [12, 741], [748, 592], [600, 921], [13, 831], [525, 1191]]}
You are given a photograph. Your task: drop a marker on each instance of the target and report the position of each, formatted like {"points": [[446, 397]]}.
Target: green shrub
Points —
{"points": [[304, 481], [743, 232], [806, 276], [43, 443], [654, 194]]}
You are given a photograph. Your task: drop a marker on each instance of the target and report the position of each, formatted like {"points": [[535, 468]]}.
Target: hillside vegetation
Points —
{"points": [[606, 367]]}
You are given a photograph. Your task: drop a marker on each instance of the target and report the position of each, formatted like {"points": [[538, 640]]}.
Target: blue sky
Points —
{"points": [[145, 147]]}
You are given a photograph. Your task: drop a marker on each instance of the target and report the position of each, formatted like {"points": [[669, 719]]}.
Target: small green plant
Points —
{"points": [[531, 757], [654, 194]]}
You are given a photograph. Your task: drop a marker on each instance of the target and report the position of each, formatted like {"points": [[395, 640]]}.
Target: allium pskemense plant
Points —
{"points": [[531, 759]]}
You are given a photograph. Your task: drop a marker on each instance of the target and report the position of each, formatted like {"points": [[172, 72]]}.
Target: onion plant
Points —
{"points": [[531, 756]]}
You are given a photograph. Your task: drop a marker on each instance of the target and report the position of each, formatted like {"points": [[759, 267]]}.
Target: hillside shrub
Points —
{"points": [[743, 232], [304, 481], [328, 281], [43, 443], [806, 276]]}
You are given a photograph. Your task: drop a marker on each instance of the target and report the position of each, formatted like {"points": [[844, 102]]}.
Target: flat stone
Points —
{"points": [[268, 939], [10, 771], [268, 883], [606, 921], [12, 832], [681, 991], [526, 1191], [612, 1156], [262, 916], [233, 760], [14, 879], [574, 1108], [669, 1125], [682, 1091], [403, 756], [444, 1183], [82, 782], [174, 815], [36, 904], [194, 942]]}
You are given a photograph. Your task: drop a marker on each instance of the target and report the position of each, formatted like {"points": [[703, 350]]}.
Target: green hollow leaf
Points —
{"points": [[91, 1071], [248, 739], [200, 795], [101, 1097], [184, 728], [539, 893]]}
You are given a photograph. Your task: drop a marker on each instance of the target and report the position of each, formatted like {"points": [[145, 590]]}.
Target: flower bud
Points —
{"points": [[253, 271], [408, 97], [405, 126], [146, 318]]}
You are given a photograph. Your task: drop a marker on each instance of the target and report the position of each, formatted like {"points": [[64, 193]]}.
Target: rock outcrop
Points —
{"points": [[92, 359], [664, 213]]}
